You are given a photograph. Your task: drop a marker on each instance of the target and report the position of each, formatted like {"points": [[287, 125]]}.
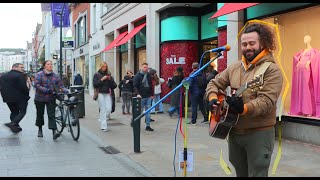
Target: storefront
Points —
{"points": [[185, 35], [300, 40], [81, 64], [295, 27]]}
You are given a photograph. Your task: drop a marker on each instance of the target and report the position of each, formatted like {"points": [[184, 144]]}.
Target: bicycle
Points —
{"points": [[66, 110]]}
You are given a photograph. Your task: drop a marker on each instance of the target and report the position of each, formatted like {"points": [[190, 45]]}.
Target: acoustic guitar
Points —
{"points": [[222, 119]]}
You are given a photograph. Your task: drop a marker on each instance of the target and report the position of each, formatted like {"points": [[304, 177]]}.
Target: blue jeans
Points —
{"points": [[146, 104], [173, 109], [154, 101]]}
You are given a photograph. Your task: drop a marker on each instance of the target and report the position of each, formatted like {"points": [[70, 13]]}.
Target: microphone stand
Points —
{"points": [[185, 82]]}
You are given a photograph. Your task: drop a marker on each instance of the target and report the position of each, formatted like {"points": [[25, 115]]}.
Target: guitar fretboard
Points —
{"points": [[241, 89]]}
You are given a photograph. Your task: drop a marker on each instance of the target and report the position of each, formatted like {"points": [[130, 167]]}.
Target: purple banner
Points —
{"points": [[45, 7], [56, 9]]}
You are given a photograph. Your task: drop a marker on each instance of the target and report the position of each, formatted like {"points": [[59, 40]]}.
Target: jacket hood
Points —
{"points": [[263, 56]]}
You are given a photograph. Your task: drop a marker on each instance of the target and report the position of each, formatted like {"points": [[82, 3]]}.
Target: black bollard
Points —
{"points": [[136, 111]]}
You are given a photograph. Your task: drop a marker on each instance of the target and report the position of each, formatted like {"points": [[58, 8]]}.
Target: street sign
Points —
{"points": [[55, 56], [67, 44]]}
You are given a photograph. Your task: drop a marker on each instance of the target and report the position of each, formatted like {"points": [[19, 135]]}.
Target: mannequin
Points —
{"points": [[304, 81]]}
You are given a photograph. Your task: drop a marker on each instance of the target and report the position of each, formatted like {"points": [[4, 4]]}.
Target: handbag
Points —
{"points": [[95, 93]]}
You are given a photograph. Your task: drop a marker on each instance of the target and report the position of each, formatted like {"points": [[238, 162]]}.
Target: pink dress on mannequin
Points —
{"points": [[305, 86]]}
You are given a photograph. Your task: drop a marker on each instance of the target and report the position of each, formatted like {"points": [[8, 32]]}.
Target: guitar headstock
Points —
{"points": [[256, 83]]}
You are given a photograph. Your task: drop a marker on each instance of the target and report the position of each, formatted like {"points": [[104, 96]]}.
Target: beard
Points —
{"points": [[251, 54]]}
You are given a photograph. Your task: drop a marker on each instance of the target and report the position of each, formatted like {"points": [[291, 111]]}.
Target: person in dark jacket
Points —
{"points": [[175, 97], [126, 88], [45, 82], [105, 83], [143, 88], [15, 93], [197, 92], [78, 79], [212, 74]]}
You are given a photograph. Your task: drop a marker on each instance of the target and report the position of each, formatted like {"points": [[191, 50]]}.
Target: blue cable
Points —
{"points": [[202, 58]]}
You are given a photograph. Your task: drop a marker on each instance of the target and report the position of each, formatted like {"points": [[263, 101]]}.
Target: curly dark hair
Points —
{"points": [[266, 35]]}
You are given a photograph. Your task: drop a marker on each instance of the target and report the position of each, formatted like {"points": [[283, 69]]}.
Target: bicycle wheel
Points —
{"points": [[59, 118], [74, 123]]}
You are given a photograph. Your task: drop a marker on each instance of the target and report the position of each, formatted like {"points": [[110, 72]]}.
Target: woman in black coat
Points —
{"points": [[175, 97]]}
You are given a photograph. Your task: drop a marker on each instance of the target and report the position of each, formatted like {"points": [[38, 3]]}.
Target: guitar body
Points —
{"points": [[222, 120]]}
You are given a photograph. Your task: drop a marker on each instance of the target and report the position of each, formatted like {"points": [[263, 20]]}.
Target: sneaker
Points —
{"points": [[129, 113], [105, 130], [190, 122], [160, 112], [151, 120], [124, 113], [152, 112], [148, 128], [205, 122]]}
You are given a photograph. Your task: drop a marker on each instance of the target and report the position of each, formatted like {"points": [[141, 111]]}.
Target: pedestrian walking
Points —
{"points": [[78, 79], [126, 88], [142, 87], [46, 81], [197, 90], [104, 82], [175, 96], [15, 93], [157, 91]]}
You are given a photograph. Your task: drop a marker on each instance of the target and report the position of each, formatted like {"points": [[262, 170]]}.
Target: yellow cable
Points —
{"points": [[284, 95], [224, 165], [185, 127]]}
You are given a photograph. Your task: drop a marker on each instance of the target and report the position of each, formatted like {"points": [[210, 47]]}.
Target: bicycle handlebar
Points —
{"points": [[69, 93]]}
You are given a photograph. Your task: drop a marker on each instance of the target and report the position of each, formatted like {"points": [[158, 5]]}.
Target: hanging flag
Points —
{"points": [[56, 9], [45, 7]]}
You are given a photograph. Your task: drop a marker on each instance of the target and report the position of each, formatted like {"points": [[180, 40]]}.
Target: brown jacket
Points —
{"points": [[260, 106]]}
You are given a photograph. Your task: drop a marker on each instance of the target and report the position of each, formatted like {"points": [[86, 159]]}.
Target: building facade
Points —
{"points": [[81, 31], [165, 35]]}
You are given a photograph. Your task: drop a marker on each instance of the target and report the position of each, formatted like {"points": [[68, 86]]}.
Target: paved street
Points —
{"points": [[25, 154]]}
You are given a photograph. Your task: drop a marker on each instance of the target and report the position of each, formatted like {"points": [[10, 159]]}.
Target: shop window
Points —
{"points": [[207, 45], [81, 31]]}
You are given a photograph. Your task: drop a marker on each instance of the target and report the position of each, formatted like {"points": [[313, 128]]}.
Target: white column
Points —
{"points": [[131, 48], [152, 36], [235, 23]]}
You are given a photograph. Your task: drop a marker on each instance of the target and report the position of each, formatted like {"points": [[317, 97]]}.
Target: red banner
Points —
{"points": [[174, 54]]}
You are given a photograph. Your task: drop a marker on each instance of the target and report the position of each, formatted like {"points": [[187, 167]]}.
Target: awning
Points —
{"points": [[131, 34], [228, 8], [114, 42]]}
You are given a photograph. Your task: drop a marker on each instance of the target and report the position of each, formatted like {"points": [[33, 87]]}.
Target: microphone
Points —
{"points": [[219, 49]]}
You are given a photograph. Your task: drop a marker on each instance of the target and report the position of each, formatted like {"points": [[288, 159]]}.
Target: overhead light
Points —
{"points": [[187, 5]]}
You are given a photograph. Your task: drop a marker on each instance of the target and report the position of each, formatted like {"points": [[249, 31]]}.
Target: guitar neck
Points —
{"points": [[241, 89]]}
